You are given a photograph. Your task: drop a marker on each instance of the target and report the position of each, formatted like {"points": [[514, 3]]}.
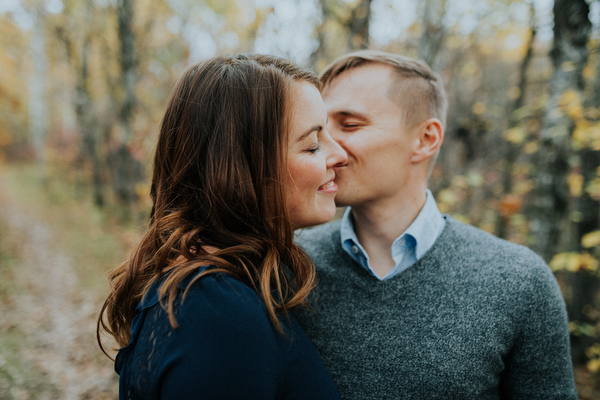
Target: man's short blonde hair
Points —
{"points": [[418, 90]]}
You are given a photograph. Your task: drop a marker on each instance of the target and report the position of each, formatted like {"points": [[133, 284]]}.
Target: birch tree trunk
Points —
{"points": [[127, 170], [434, 32], [358, 26], [38, 113], [88, 121], [569, 55], [319, 56], [89, 126]]}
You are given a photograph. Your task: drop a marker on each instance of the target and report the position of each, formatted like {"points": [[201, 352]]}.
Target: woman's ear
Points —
{"points": [[430, 137]]}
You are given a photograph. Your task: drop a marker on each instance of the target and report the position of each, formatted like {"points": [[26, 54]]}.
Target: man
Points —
{"points": [[412, 304]]}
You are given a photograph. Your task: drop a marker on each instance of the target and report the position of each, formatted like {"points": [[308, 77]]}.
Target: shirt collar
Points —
{"points": [[424, 230]]}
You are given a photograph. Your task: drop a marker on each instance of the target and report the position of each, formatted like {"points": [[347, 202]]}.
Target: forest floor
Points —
{"points": [[48, 346]]}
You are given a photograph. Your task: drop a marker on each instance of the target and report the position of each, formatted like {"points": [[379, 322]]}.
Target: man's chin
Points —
{"points": [[341, 202]]}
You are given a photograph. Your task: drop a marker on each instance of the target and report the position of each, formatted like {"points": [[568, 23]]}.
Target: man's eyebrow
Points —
{"points": [[351, 113], [316, 128]]}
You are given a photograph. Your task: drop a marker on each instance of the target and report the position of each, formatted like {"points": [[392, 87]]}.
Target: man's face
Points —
{"points": [[368, 125]]}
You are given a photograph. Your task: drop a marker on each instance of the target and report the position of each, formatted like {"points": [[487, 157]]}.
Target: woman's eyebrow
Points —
{"points": [[316, 128]]}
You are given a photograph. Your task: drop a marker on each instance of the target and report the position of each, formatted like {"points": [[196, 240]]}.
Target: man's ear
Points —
{"points": [[430, 138]]}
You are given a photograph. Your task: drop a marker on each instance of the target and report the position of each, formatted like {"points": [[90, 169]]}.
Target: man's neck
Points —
{"points": [[378, 225]]}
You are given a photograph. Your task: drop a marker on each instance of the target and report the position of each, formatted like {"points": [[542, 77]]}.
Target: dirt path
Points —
{"points": [[54, 315]]}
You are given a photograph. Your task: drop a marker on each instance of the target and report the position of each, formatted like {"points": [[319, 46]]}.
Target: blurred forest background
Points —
{"points": [[83, 84]]}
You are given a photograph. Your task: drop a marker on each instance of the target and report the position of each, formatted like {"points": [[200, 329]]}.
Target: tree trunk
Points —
{"points": [[88, 122], [38, 115], [89, 126], [585, 285], [434, 32], [358, 36], [511, 150], [319, 56], [127, 170], [569, 55]]}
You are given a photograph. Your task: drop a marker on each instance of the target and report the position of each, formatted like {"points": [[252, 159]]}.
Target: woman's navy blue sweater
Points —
{"points": [[225, 347]]}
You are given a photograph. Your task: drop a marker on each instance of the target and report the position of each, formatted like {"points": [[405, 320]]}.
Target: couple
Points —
{"points": [[407, 303]]}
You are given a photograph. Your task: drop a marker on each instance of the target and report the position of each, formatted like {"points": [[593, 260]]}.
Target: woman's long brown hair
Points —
{"points": [[217, 185]]}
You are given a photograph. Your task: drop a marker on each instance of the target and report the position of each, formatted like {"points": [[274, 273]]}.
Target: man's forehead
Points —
{"points": [[359, 89], [363, 73]]}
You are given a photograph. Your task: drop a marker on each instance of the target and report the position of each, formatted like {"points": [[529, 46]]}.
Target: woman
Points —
{"points": [[201, 308]]}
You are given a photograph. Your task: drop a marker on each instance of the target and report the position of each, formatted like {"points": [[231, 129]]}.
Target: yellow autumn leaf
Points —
{"points": [[570, 102], [142, 190], [447, 196], [586, 134], [591, 239], [531, 147], [444, 208], [575, 111], [587, 262], [593, 365], [523, 187], [593, 350], [478, 108], [475, 179], [592, 113], [575, 183], [576, 216], [568, 261], [580, 135], [461, 217], [459, 181], [593, 189], [487, 227], [588, 72], [514, 92], [569, 96], [568, 66], [515, 135]]}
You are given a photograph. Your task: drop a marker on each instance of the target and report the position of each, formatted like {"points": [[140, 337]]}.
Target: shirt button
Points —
{"points": [[355, 249]]}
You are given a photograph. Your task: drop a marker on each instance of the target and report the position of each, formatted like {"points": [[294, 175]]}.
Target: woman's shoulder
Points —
{"points": [[220, 297], [206, 295], [203, 286], [221, 328]]}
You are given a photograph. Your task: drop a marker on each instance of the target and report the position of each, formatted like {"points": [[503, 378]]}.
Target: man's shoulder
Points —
{"points": [[482, 241], [492, 253], [319, 236], [321, 241]]}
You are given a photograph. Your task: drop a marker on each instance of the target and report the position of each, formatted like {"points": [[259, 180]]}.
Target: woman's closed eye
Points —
{"points": [[315, 149]]}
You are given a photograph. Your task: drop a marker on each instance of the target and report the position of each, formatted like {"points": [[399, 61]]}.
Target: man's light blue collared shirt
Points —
{"points": [[408, 248]]}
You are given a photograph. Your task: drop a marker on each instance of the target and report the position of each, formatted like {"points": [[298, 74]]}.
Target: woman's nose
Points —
{"points": [[337, 155]]}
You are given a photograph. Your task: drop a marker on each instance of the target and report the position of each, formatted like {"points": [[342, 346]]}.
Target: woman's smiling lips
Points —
{"points": [[329, 187]]}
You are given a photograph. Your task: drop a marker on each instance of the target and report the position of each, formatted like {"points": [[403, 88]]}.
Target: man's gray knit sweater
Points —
{"points": [[476, 318]]}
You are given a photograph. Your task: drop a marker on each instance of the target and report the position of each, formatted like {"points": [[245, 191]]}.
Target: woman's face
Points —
{"points": [[309, 180]]}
